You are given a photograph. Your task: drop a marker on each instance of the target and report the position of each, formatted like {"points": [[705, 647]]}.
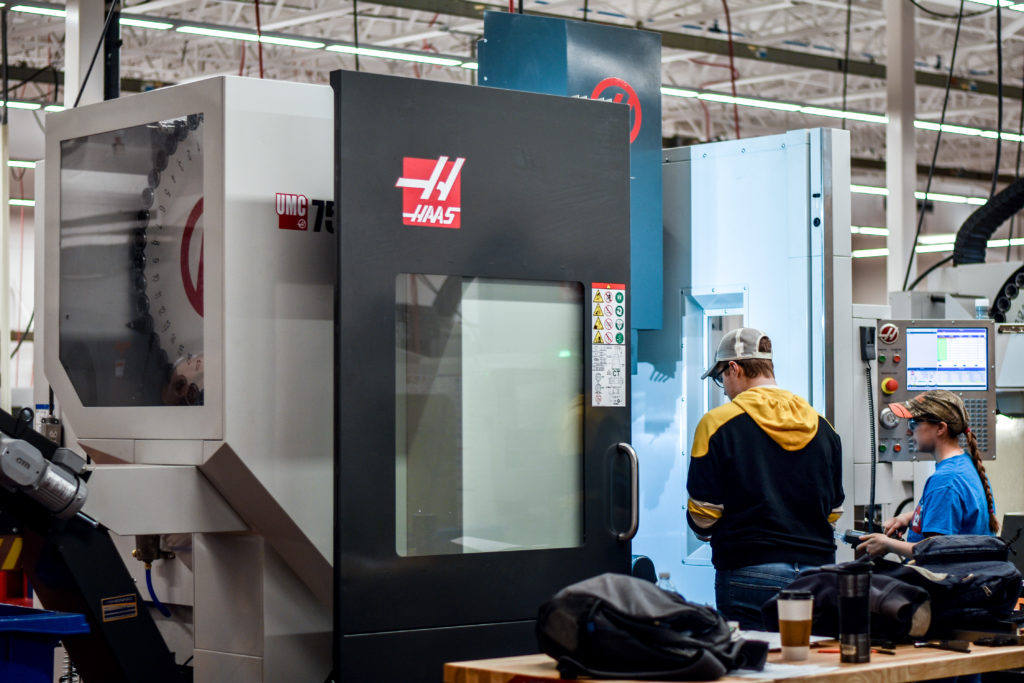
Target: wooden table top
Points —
{"points": [[908, 664]]}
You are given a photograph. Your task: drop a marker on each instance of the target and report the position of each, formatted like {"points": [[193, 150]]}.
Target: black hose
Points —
{"points": [[972, 238]]}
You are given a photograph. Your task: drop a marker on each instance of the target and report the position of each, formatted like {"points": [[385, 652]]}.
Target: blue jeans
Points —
{"points": [[739, 593]]}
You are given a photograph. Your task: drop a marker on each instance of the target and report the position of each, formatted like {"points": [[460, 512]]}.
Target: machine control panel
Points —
{"points": [[918, 355]]}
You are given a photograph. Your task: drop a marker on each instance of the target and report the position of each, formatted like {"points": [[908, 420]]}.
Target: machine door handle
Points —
{"points": [[634, 491]]}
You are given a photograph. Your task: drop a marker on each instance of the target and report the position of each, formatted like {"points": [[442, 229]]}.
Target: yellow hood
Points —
{"points": [[788, 419]]}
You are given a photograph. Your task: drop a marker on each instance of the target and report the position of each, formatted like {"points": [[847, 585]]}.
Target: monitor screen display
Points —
{"points": [[954, 358]]}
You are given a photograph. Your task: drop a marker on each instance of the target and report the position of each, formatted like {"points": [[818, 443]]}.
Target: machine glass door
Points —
{"points": [[489, 419]]}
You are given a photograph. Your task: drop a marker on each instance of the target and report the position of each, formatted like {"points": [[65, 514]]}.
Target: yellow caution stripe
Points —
{"points": [[10, 552]]}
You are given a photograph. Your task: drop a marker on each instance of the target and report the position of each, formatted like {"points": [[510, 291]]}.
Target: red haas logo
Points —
{"points": [[431, 192], [292, 211]]}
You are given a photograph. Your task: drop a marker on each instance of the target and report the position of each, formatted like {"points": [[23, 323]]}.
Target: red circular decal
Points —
{"points": [[888, 334], [193, 286], [631, 99]]}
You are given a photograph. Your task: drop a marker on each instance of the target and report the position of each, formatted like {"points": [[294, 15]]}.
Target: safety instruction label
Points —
{"points": [[607, 336], [119, 607]]}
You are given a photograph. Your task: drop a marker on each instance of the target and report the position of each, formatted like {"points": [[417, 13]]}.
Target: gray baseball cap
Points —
{"points": [[739, 344]]}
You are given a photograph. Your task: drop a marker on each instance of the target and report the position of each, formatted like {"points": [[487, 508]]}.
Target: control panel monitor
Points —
{"points": [[913, 356], [953, 358]]}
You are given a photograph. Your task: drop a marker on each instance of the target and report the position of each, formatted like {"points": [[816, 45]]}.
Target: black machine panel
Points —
{"points": [[482, 365]]}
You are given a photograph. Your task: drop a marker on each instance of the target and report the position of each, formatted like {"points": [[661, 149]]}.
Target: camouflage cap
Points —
{"points": [[939, 404]]}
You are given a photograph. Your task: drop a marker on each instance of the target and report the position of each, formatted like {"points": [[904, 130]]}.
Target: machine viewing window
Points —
{"points": [[489, 415], [131, 264], [954, 358]]}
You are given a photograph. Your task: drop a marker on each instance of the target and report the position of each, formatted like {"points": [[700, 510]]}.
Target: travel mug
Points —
{"points": [[796, 611], [854, 583]]}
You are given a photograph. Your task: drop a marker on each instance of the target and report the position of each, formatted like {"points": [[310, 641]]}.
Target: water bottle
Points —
{"points": [[665, 583]]}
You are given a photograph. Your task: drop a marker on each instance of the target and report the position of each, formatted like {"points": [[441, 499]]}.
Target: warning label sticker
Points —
{"points": [[119, 607], [608, 346]]}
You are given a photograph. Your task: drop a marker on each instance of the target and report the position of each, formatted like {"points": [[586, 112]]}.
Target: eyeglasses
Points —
{"points": [[716, 377], [915, 421]]}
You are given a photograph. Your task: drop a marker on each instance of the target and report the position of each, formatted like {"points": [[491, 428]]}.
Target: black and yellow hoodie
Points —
{"points": [[765, 481]]}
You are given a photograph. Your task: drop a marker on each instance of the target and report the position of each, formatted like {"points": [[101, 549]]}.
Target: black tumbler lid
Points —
{"points": [[795, 595]]}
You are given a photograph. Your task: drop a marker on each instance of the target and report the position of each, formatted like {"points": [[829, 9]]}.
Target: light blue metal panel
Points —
{"points": [[739, 240]]}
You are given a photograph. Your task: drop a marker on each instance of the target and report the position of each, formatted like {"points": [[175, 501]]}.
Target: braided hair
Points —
{"points": [[972, 447]]}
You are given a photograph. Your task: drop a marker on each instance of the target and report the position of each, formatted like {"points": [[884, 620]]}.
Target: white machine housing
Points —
{"points": [[256, 455]]}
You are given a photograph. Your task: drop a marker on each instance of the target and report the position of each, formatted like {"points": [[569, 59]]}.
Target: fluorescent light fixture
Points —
{"points": [[145, 23], [23, 202], [933, 248], [1015, 242], [31, 106], [746, 101], [392, 54], [869, 253], [932, 196], [53, 107], [678, 92], [767, 104], [840, 114], [941, 238], [470, 65], [875, 232], [867, 189], [940, 197], [14, 163], [48, 11], [716, 97], [292, 42], [217, 33]]}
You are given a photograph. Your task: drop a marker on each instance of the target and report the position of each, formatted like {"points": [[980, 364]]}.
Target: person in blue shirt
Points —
{"points": [[957, 498]]}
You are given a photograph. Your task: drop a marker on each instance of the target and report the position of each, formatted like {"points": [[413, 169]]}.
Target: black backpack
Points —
{"points": [[617, 626]]}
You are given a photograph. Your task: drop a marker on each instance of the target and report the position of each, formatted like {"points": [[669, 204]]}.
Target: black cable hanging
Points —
{"points": [[846, 55], [355, 29], [586, 10], [999, 97], [935, 152], [96, 52], [3, 49], [949, 16], [1020, 139]]}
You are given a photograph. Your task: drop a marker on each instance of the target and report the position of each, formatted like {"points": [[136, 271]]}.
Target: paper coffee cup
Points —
{"points": [[796, 611]]}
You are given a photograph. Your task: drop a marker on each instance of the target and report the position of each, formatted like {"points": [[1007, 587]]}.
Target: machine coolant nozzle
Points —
{"points": [[54, 484]]}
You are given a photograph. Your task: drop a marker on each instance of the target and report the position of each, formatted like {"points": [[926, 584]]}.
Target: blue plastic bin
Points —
{"points": [[27, 639]]}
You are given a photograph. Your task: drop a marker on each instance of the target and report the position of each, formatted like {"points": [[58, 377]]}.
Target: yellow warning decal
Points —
{"points": [[597, 339], [119, 607], [597, 309], [598, 325], [10, 552], [598, 299]]}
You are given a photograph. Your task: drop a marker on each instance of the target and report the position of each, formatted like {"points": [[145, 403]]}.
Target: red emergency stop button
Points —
{"points": [[896, 359], [890, 385]]}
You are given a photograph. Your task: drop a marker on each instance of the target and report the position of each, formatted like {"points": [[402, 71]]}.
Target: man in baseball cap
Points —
{"points": [[764, 480], [740, 344]]}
